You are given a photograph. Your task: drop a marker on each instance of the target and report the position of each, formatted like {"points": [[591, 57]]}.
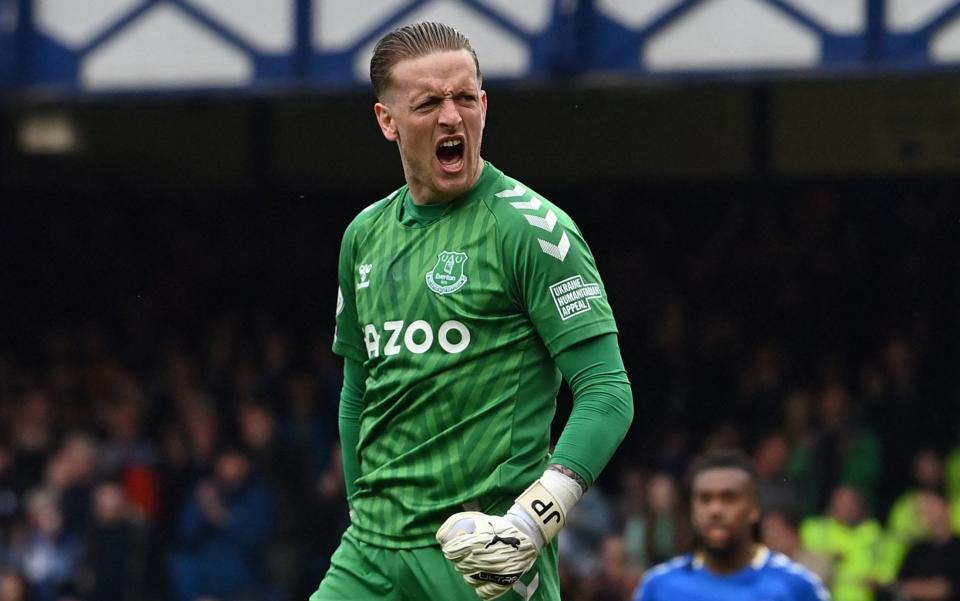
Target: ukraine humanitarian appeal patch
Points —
{"points": [[572, 296]]}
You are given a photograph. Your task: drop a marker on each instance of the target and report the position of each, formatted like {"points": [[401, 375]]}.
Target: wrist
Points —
{"points": [[542, 508], [525, 523], [566, 471]]}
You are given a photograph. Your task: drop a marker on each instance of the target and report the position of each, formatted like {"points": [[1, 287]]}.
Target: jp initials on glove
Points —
{"points": [[493, 552]]}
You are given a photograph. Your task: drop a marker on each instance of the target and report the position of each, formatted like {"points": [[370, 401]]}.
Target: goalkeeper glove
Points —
{"points": [[493, 552]]}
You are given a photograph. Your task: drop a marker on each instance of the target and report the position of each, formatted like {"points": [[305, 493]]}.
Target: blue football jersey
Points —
{"points": [[770, 577]]}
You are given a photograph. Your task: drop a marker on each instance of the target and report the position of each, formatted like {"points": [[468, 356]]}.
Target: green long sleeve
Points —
{"points": [[351, 405], [602, 405]]}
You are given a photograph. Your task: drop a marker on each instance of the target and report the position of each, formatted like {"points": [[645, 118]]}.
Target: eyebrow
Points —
{"points": [[721, 489], [427, 94]]}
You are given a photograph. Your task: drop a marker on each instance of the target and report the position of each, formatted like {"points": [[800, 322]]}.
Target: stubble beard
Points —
{"points": [[728, 554]]}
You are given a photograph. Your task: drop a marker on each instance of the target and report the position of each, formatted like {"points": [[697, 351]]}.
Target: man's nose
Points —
{"points": [[449, 115]]}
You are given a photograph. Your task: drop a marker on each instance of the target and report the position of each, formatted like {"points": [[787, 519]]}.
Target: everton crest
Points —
{"points": [[447, 275]]}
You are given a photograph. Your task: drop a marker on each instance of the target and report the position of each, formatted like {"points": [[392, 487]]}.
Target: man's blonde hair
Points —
{"points": [[414, 41]]}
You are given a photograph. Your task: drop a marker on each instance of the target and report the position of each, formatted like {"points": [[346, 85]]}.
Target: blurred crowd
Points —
{"points": [[200, 460], [216, 476], [860, 552]]}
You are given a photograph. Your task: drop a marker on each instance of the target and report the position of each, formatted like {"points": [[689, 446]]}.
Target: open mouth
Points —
{"points": [[450, 154]]}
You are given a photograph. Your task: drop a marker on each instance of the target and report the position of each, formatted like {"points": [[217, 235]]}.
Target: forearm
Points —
{"points": [[351, 405], [602, 406], [603, 410]]}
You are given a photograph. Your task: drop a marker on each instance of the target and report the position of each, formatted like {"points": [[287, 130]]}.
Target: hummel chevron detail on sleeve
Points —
{"points": [[544, 223], [557, 251], [517, 190], [533, 205]]}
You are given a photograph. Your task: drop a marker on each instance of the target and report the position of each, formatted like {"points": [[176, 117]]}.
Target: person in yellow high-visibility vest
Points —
{"points": [[953, 488], [855, 541]]}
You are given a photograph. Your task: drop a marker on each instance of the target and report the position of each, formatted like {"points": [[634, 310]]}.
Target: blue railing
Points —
{"points": [[551, 39]]}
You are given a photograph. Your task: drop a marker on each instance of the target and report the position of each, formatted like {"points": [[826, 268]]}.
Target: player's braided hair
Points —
{"points": [[414, 41]]}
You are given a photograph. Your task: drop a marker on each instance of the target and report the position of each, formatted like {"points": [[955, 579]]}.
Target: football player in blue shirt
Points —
{"points": [[728, 564]]}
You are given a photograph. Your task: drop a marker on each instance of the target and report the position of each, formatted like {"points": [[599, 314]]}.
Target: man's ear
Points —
{"points": [[483, 108], [386, 121], [755, 511]]}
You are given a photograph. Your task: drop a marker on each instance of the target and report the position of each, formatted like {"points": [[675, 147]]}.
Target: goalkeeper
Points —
{"points": [[464, 297]]}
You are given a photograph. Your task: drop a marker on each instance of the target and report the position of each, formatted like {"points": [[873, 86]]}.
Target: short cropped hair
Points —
{"points": [[414, 41], [722, 458]]}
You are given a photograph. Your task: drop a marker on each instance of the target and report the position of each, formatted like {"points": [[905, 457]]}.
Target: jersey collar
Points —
{"points": [[409, 214], [760, 557]]}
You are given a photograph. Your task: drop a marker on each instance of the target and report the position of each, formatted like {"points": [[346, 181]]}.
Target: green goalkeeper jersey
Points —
{"points": [[456, 321]]}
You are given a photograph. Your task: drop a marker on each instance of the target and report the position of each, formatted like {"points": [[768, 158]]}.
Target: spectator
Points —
{"points": [[284, 473], [618, 577], [179, 379], [177, 479], [45, 551], [32, 438], [325, 523], [842, 453], [276, 363], [776, 490], [189, 445], [846, 534], [127, 454], [662, 529], [891, 401], [931, 569], [202, 426], [590, 521], [780, 531], [221, 533], [71, 474], [761, 387], [633, 503], [308, 425], [278, 462], [115, 561], [797, 413], [905, 523], [669, 379]]}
